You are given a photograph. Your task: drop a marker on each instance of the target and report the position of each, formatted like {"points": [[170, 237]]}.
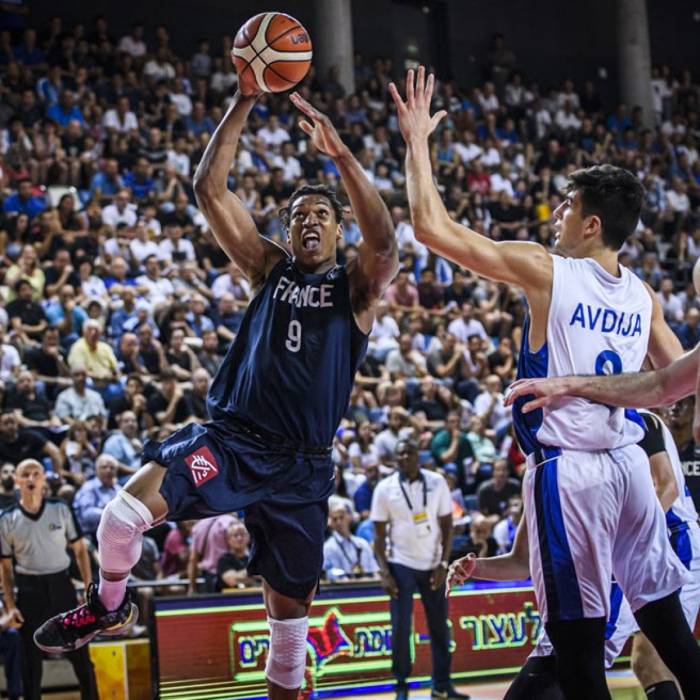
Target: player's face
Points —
{"points": [[568, 224], [313, 231]]}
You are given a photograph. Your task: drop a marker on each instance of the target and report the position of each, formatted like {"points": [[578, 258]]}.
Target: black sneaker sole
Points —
{"points": [[82, 641]]}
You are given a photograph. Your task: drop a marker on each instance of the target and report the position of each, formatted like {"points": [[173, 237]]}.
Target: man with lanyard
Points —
{"points": [[345, 555], [417, 506], [35, 533]]}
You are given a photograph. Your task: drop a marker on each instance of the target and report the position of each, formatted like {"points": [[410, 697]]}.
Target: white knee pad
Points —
{"points": [[286, 658], [120, 533]]}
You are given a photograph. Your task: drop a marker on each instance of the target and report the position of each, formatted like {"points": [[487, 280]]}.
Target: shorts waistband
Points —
{"points": [[542, 455], [278, 441], [44, 578]]}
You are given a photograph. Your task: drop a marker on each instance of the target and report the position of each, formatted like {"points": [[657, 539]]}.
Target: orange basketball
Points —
{"points": [[271, 51]]}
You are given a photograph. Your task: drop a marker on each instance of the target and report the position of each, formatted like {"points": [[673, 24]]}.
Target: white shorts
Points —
{"points": [[593, 517], [620, 626]]}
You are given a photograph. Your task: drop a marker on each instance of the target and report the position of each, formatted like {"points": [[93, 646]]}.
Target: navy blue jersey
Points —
{"points": [[292, 365]]}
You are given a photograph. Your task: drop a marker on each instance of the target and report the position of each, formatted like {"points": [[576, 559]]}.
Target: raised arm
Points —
{"points": [[233, 227], [640, 389], [525, 264], [378, 256]]}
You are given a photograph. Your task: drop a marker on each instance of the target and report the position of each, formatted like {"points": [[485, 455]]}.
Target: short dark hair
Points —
{"points": [[408, 443], [305, 190], [614, 195]]}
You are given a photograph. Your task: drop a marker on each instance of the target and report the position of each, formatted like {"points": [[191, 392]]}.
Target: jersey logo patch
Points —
{"points": [[203, 466]]}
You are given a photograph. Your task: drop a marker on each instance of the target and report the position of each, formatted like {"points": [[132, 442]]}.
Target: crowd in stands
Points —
{"points": [[116, 304]]}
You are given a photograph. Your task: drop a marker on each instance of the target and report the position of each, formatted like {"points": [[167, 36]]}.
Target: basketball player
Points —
{"points": [[275, 402], [591, 512], [537, 679]]}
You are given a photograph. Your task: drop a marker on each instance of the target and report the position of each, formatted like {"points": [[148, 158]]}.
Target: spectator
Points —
{"points": [[688, 332], [386, 441], [466, 326], [79, 454], [451, 445], [176, 550], [10, 360], [92, 497], [344, 555], [670, 302], [168, 404], [504, 531], [27, 318], [124, 444], [24, 201], [489, 405], [197, 395], [405, 362], [363, 494], [493, 495], [96, 357], [8, 495], [78, 402], [209, 543], [480, 541], [17, 444], [231, 567]]}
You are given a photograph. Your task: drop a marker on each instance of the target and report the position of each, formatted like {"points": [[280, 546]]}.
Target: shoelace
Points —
{"points": [[79, 617]]}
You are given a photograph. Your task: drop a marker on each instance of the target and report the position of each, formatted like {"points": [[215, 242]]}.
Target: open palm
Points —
{"points": [[322, 132], [414, 117]]}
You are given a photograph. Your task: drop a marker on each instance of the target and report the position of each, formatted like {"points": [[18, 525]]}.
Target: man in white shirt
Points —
{"points": [[120, 211], [133, 43], [120, 119], [10, 360], [466, 326], [273, 134], [288, 162], [157, 290], [385, 332], [344, 555], [670, 302], [417, 508]]}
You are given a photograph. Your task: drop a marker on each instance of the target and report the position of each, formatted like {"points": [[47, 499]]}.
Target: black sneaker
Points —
{"points": [[449, 693], [71, 630]]}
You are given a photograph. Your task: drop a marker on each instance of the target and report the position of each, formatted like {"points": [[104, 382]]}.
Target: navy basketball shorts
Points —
{"points": [[225, 467]]}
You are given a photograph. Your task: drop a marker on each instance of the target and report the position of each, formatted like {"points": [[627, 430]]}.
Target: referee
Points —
{"points": [[35, 532]]}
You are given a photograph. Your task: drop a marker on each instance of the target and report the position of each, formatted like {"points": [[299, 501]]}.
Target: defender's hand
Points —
{"points": [[460, 571], [414, 117], [544, 390]]}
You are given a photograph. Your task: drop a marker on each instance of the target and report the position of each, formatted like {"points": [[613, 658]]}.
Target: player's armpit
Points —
{"points": [[236, 233], [516, 262]]}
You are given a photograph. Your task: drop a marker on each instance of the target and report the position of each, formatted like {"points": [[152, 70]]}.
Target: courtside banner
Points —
{"points": [[215, 647]]}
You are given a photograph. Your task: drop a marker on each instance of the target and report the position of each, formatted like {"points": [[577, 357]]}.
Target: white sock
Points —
{"points": [[111, 593]]}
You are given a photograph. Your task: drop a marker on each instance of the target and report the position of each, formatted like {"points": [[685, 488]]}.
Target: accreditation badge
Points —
{"points": [[421, 524]]}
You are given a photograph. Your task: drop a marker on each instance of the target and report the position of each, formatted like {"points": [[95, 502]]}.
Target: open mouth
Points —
{"points": [[311, 240]]}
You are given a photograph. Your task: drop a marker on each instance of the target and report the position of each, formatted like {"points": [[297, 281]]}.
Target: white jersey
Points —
{"points": [[597, 324], [681, 517]]}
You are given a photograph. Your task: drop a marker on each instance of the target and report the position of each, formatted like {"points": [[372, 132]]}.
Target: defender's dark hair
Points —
{"points": [[612, 194], [321, 190]]}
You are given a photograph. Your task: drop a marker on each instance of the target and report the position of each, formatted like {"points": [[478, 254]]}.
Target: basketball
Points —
{"points": [[271, 52]]}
